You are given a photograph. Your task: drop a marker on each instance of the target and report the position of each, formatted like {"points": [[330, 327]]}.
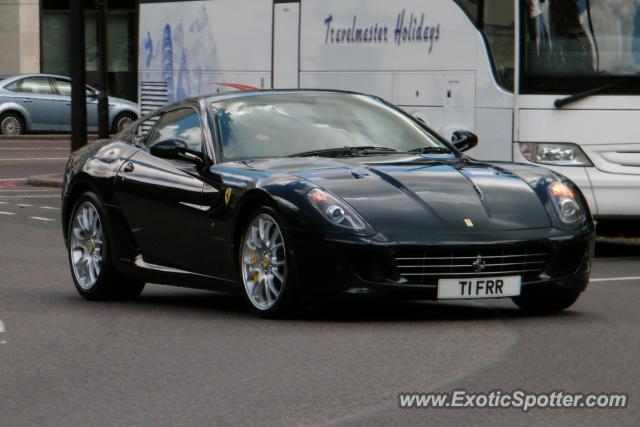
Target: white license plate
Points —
{"points": [[479, 287]]}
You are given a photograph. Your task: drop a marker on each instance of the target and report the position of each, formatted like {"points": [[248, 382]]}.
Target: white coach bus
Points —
{"points": [[553, 82]]}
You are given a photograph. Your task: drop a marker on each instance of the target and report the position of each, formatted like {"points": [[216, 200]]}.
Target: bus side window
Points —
{"points": [[498, 24]]}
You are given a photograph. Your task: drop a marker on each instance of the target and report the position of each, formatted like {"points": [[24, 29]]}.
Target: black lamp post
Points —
{"points": [[103, 63], [78, 78]]}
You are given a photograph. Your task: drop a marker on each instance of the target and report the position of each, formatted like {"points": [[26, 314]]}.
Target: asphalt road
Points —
{"points": [[185, 357]]}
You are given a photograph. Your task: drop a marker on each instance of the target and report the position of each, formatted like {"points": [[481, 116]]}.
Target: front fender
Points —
{"points": [[14, 106], [116, 109]]}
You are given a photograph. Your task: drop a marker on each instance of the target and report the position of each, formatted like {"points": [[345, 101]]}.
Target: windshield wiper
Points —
{"points": [[561, 102], [347, 151], [430, 150]]}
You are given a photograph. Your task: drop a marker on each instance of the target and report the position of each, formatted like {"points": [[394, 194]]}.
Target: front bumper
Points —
{"points": [[340, 265]]}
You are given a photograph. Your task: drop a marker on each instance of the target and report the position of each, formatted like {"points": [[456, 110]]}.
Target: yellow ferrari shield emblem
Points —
{"points": [[468, 222], [227, 196]]}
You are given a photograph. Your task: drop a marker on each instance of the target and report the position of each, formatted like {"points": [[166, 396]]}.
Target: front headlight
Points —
{"points": [[554, 154], [566, 203], [336, 211]]}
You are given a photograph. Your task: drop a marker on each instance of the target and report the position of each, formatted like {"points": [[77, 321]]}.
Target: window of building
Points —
{"points": [[121, 44]]}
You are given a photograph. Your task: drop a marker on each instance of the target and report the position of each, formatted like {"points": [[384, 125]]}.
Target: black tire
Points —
{"points": [[546, 301], [109, 283], [12, 123], [118, 122], [286, 304]]}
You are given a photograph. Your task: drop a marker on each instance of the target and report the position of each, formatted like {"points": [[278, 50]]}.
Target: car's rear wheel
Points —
{"points": [[546, 301], [265, 269], [92, 269], [121, 121], [11, 124]]}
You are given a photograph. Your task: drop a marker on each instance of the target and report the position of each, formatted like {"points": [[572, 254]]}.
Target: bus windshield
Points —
{"points": [[571, 46]]}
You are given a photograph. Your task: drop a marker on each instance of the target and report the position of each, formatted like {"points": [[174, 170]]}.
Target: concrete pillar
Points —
{"points": [[19, 36]]}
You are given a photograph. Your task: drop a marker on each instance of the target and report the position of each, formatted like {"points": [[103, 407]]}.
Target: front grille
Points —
{"points": [[424, 266]]}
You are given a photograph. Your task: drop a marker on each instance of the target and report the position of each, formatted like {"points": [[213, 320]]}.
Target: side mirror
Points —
{"points": [[93, 93], [464, 140], [175, 149]]}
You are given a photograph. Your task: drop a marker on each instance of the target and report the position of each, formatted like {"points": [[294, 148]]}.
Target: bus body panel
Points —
{"points": [[449, 80]]}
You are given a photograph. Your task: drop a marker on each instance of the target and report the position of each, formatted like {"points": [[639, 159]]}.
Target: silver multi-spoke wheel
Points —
{"points": [[123, 122], [86, 245], [11, 125], [263, 261]]}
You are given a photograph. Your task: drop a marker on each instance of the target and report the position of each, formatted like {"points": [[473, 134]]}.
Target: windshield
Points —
{"points": [[276, 125], [576, 45]]}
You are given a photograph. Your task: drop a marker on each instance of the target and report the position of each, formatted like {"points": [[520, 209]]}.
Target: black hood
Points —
{"points": [[404, 196]]}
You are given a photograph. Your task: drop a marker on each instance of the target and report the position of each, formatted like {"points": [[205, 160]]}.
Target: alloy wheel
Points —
{"points": [[86, 245], [123, 122], [11, 125], [263, 261]]}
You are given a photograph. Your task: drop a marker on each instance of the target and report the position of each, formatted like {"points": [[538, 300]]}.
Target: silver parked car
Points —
{"points": [[42, 103]]}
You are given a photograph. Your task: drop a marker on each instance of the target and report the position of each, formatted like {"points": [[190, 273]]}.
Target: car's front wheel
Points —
{"points": [[267, 275], [11, 124], [121, 121], [546, 301], [92, 270]]}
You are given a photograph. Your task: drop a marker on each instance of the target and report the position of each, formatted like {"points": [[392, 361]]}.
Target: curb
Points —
{"points": [[50, 180]]}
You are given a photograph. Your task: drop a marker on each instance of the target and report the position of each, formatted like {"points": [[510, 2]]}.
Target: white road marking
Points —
{"points": [[2, 331], [615, 279], [30, 196], [34, 148], [39, 218], [24, 205], [48, 207], [6, 213], [11, 179], [28, 159], [19, 190]]}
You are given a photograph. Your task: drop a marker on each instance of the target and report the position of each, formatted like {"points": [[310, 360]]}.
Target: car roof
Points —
{"points": [[247, 93], [22, 76], [218, 97]]}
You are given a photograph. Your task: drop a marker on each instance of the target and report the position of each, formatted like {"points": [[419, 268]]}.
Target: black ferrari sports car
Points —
{"points": [[288, 196]]}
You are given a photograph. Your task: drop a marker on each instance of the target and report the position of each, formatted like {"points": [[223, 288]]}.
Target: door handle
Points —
{"points": [[128, 167], [28, 100]]}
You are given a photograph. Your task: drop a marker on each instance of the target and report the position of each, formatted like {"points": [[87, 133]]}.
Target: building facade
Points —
{"points": [[19, 36], [35, 35]]}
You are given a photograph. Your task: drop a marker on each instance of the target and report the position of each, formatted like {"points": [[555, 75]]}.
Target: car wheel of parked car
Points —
{"points": [[92, 269], [121, 121], [11, 124], [266, 273], [546, 301]]}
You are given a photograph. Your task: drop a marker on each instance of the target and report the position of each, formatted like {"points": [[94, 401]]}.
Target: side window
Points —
{"points": [[64, 87], [139, 134], [14, 86], [38, 85], [183, 125], [498, 24]]}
